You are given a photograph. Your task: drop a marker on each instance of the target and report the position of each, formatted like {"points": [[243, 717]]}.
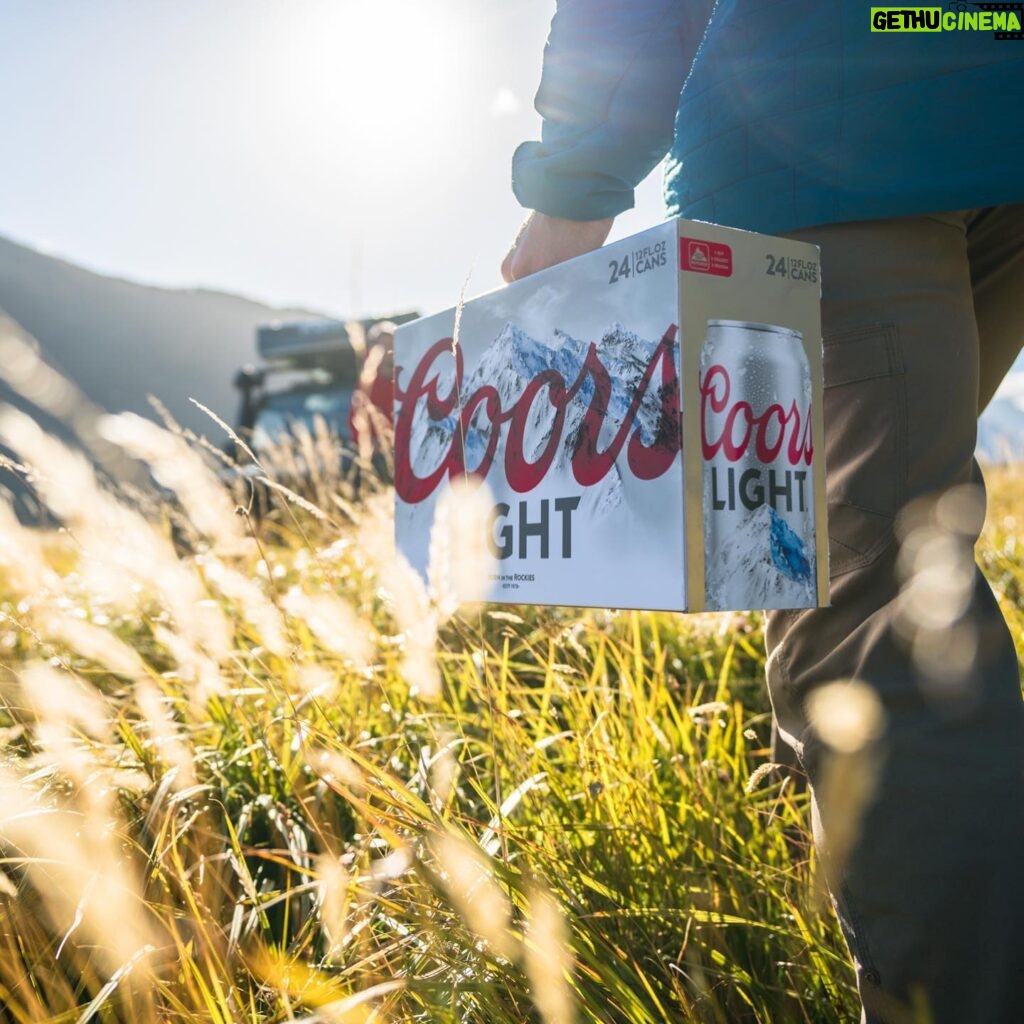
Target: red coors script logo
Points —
{"points": [[589, 464], [774, 432], [705, 257]]}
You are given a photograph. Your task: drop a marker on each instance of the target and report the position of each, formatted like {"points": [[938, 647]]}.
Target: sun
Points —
{"points": [[371, 73]]}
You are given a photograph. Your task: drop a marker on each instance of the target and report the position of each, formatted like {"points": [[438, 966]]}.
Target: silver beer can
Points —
{"points": [[759, 536]]}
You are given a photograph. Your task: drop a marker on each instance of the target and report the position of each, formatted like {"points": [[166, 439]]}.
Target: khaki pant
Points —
{"points": [[922, 317]]}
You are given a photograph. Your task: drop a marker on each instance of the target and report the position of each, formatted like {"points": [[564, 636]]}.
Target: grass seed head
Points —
{"points": [[333, 894], [460, 561], [165, 736], [179, 468], [256, 608], [468, 877], [89, 889], [334, 623], [549, 959]]}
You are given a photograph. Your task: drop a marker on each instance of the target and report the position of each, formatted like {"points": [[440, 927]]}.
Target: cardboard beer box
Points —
{"points": [[646, 418]]}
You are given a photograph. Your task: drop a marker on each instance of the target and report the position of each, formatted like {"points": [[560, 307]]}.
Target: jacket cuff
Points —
{"points": [[552, 181]]}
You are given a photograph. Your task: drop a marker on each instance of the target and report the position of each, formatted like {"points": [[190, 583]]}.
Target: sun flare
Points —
{"points": [[368, 74]]}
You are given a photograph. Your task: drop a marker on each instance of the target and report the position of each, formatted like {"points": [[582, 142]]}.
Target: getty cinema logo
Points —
{"points": [[1002, 20]]}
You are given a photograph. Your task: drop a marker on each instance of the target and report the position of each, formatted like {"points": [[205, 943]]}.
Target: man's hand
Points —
{"points": [[544, 241]]}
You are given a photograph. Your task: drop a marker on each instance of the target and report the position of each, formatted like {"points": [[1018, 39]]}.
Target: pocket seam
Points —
{"points": [[885, 539], [895, 370], [888, 332]]}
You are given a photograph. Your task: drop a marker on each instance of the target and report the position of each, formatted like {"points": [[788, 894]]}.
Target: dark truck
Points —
{"points": [[308, 371]]}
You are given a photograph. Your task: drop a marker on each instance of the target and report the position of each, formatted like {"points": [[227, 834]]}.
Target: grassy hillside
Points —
{"points": [[274, 778], [120, 341]]}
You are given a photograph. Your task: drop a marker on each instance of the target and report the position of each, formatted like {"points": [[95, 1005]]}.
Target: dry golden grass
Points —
{"points": [[267, 775]]}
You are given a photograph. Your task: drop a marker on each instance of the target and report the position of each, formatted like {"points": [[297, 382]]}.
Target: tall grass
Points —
{"points": [[254, 771]]}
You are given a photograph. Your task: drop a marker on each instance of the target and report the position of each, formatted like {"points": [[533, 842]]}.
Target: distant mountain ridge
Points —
{"points": [[120, 341]]}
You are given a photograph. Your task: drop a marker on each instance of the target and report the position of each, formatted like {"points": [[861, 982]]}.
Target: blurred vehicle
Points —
{"points": [[319, 385]]}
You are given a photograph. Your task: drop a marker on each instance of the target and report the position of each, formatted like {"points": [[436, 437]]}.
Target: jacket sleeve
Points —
{"points": [[613, 72]]}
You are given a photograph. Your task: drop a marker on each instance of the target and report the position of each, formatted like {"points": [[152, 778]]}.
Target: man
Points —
{"points": [[900, 155]]}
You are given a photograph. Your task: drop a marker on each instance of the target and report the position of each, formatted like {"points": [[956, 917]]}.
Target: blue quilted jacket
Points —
{"points": [[774, 114]]}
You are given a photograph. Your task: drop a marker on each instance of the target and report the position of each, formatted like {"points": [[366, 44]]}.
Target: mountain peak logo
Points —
{"points": [[700, 255]]}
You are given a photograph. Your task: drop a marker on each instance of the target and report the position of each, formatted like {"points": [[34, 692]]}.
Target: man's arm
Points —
{"points": [[613, 72]]}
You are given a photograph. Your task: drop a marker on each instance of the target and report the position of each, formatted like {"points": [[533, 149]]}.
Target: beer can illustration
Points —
{"points": [[759, 529]]}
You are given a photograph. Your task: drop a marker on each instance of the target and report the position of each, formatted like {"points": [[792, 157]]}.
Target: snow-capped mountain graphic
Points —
{"points": [[763, 564], [509, 364], [789, 553]]}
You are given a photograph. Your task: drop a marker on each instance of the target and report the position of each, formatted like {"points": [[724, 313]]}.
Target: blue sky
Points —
{"points": [[347, 155]]}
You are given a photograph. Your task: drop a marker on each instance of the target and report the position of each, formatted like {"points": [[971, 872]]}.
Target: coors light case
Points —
{"points": [[645, 418]]}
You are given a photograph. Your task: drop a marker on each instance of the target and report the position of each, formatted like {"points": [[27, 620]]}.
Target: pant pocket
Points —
{"points": [[865, 442]]}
